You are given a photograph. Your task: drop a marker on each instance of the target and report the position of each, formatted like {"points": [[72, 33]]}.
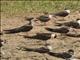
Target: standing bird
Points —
{"points": [[44, 18], [74, 24], [24, 28], [65, 55]]}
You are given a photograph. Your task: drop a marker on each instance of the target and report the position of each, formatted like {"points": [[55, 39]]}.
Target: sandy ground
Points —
{"points": [[14, 41]]}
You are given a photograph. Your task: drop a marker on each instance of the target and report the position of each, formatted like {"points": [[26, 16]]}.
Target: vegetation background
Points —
{"points": [[11, 8]]}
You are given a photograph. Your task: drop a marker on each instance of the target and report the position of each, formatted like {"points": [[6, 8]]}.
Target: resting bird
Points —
{"points": [[42, 36], [74, 24], [73, 35], [24, 28], [45, 49], [62, 29], [63, 13], [44, 18], [65, 55]]}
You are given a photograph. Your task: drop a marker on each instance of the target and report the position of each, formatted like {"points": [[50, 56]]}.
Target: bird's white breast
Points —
{"points": [[68, 11], [49, 47], [78, 22], [2, 43], [53, 35], [50, 16]]}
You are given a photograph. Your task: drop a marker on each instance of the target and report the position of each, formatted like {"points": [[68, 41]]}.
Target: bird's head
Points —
{"points": [[78, 21], [50, 16], [49, 47], [71, 51], [53, 35], [67, 10]]}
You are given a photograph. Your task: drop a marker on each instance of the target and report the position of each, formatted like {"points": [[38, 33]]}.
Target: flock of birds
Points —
{"points": [[62, 28]]}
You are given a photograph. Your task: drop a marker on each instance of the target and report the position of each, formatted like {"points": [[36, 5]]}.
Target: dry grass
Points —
{"points": [[12, 8]]}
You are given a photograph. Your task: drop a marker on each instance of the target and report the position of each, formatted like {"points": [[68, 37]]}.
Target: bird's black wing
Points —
{"points": [[63, 14], [19, 29], [73, 24], [63, 55], [43, 18], [40, 36], [58, 30], [40, 50]]}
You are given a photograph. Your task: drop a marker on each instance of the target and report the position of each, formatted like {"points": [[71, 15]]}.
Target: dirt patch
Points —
{"points": [[14, 41]]}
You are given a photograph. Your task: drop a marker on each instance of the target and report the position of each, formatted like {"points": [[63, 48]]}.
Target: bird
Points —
{"points": [[25, 28], [62, 29], [44, 18], [73, 24], [44, 49], [64, 55], [42, 36], [73, 35], [63, 13]]}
